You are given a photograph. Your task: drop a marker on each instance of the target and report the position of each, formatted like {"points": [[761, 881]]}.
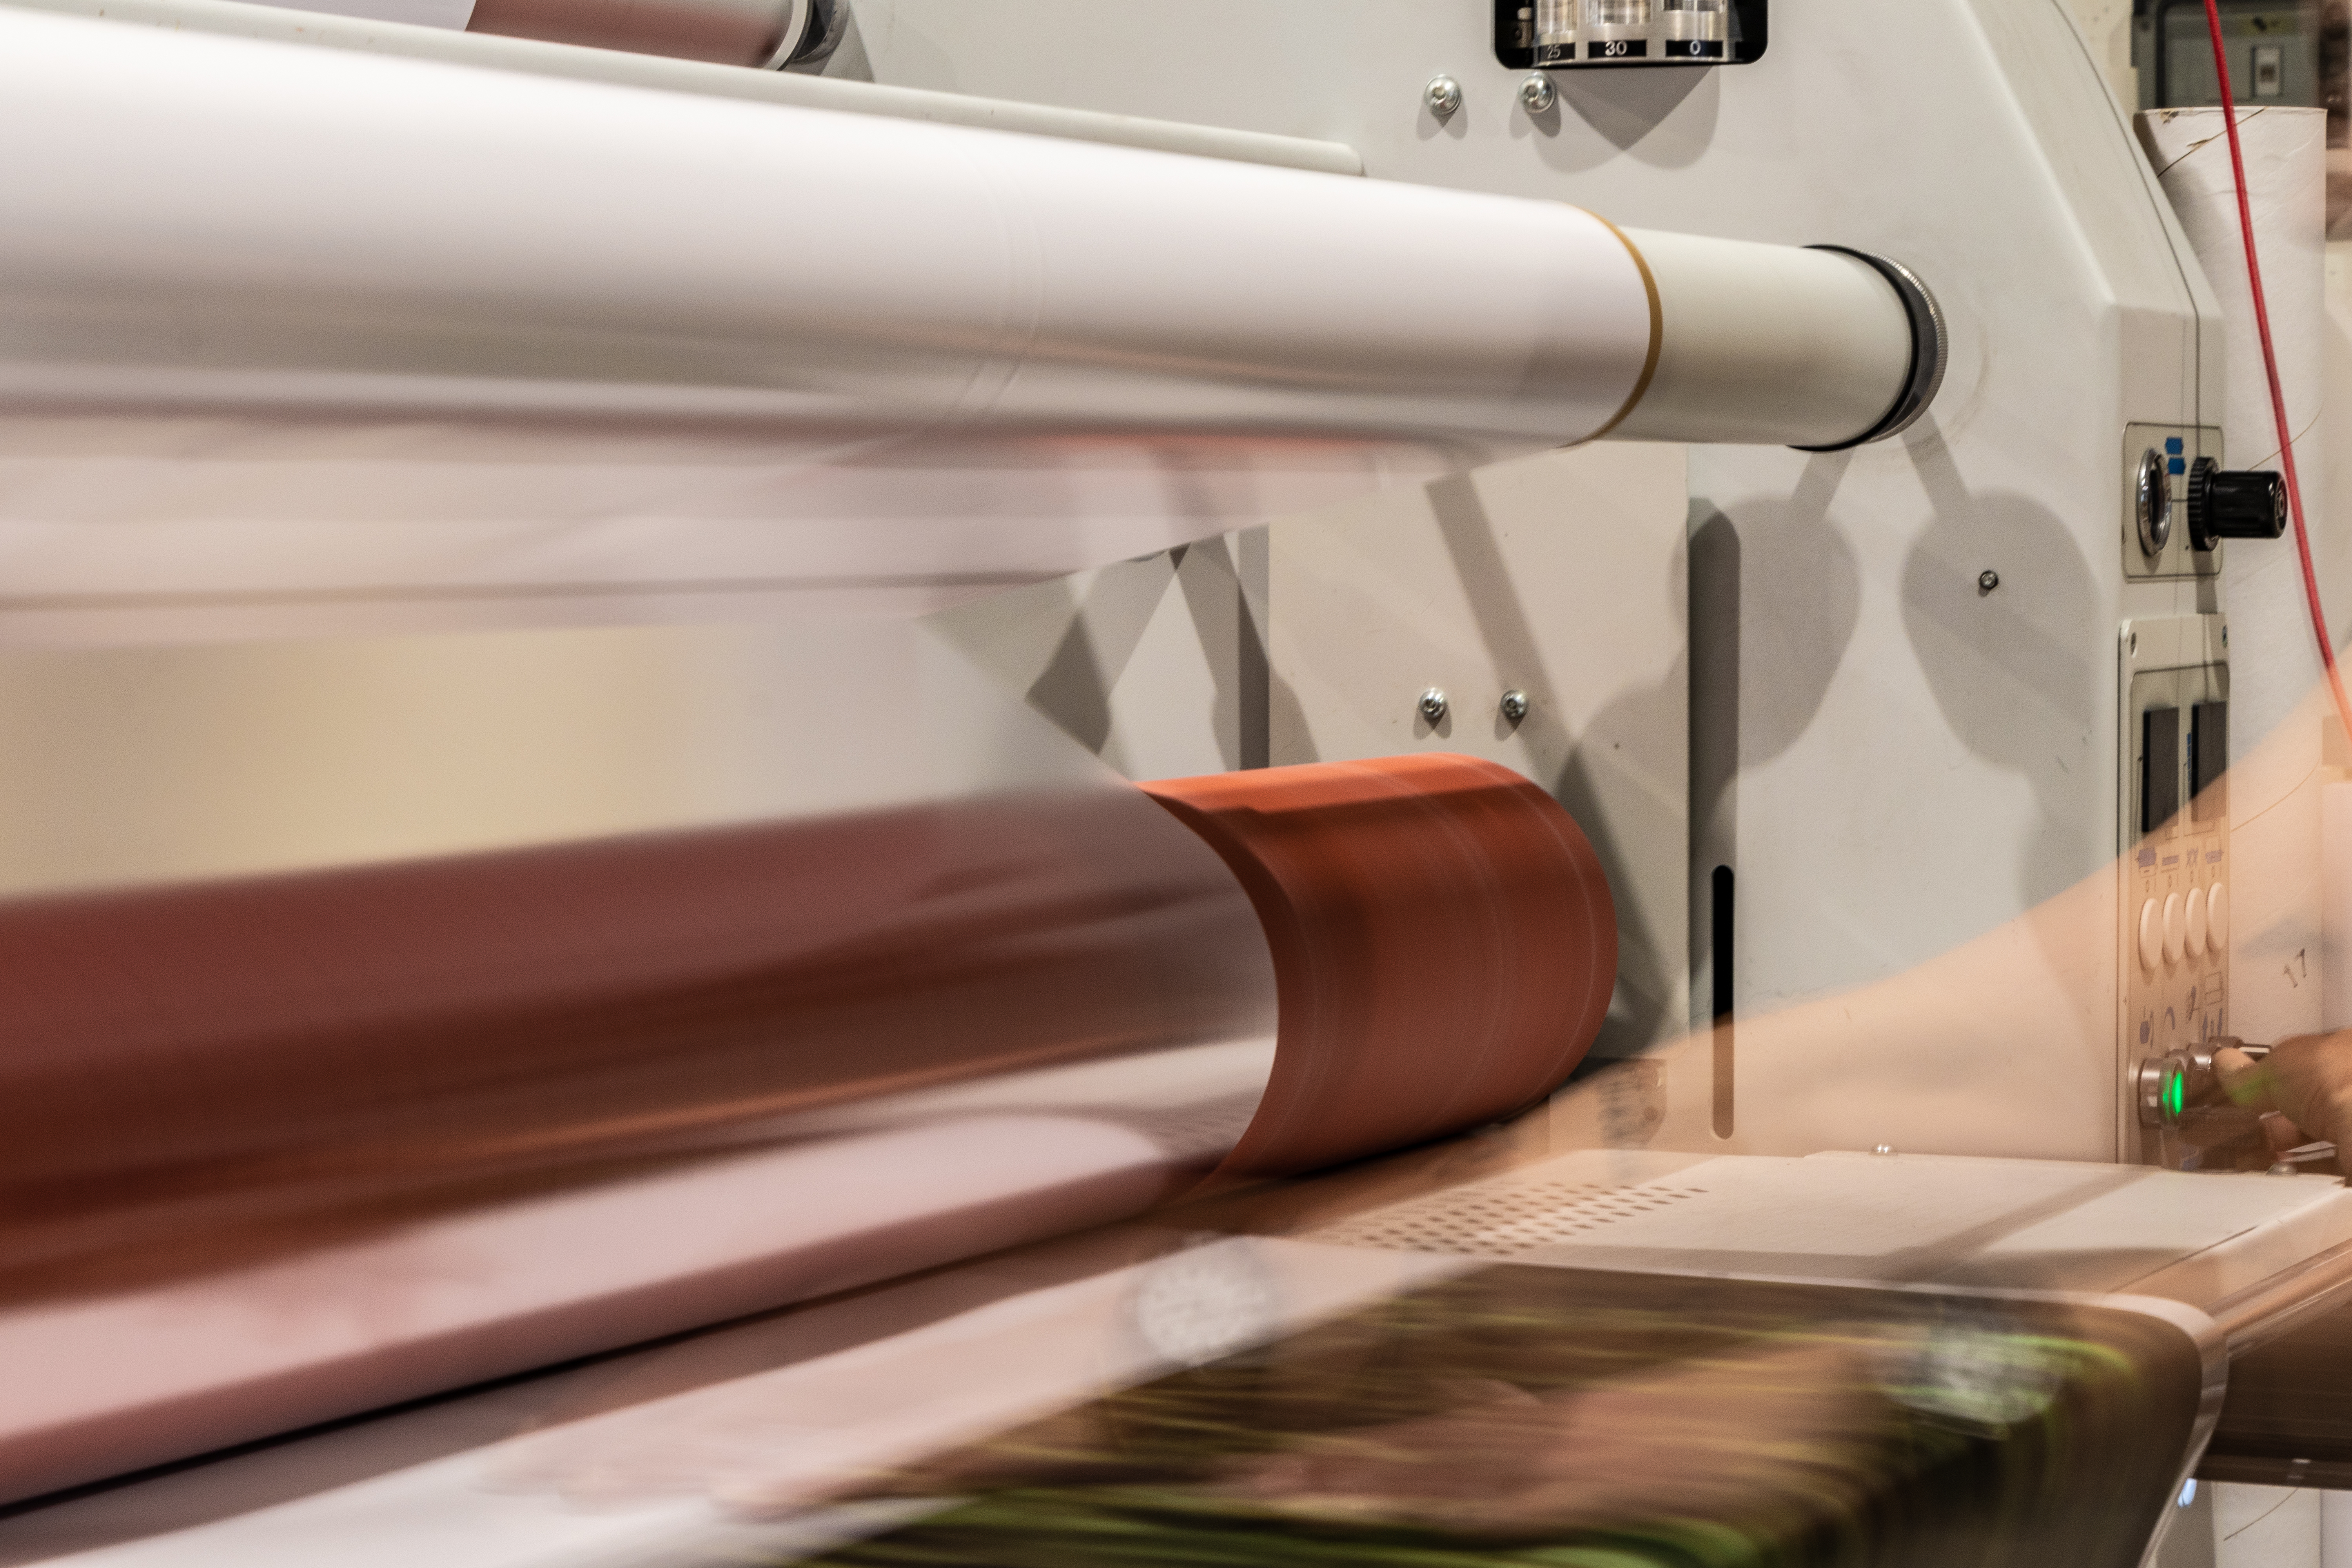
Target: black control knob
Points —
{"points": [[2245, 504]]}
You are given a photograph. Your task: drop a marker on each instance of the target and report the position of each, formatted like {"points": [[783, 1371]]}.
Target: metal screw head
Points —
{"points": [[1432, 704], [1443, 96], [1537, 93], [1988, 580], [1515, 706]]}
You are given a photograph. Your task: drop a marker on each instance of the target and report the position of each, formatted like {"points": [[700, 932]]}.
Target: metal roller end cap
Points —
{"points": [[1931, 348], [2152, 504]]}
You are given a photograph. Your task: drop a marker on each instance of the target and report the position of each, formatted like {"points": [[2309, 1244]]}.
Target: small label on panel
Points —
{"points": [[1555, 53], [1617, 49], [1694, 49]]}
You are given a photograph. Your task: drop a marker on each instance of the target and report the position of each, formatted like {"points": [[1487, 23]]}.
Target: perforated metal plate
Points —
{"points": [[1498, 1219]]}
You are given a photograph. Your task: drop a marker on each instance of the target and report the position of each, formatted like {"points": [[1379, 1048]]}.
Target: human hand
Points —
{"points": [[2306, 1080]]}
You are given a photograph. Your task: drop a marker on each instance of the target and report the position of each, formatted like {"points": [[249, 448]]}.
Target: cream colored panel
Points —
{"points": [[2266, 1527], [1157, 666], [156, 764], [1561, 576]]}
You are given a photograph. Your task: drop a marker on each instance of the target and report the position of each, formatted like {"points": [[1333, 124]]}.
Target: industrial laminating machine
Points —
{"points": [[1018, 781]]}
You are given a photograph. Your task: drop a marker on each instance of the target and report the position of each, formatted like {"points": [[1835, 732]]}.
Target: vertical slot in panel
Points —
{"points": [[1722, 946], [2159, 768], [2209, 761]]}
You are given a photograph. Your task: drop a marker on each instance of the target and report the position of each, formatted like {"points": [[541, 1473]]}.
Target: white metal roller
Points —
{"points": [[294, 320], [1771, 343], [217, 221]]}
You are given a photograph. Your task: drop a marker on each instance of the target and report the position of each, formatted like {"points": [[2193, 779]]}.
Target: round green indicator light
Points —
{"points": [[2174, 1092]]}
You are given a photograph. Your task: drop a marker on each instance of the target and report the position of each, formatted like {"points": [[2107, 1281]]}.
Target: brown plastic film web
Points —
{"points": [[228, 1106], [1444, 940]]}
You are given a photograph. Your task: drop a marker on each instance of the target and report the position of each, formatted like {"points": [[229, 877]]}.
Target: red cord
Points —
{"points": [[2270, 368]]}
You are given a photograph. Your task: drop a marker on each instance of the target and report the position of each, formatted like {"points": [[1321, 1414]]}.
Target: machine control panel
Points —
{"points": [[1560, 34], [2174, 868], [2160, 462]]}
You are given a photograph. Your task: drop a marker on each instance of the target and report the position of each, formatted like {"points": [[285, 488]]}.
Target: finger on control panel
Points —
{"points": [[2308, 1080]]}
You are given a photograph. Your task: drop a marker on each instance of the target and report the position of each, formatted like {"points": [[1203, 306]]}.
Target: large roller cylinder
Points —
{"points": [[571, 249], [1369, 878], [278, 1150], [1821, 347], [317, 321]]}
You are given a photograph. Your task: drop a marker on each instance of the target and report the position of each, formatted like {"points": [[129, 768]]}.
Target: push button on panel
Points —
{"points": [[2196, 935], [2217, 917], [2176, 929], [2151, 937]]}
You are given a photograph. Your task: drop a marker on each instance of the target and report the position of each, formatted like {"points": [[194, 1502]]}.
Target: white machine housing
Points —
{"points": [[1895, 760]]}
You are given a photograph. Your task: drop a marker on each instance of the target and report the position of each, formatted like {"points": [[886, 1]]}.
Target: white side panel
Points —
{"points": [[2336, 1530], [1157, 666], [2333, 870], [139, 766], [427, 37], [2265, 1527], [2106, 28], [1896, 762], [2277, 701], [1560, 576]]}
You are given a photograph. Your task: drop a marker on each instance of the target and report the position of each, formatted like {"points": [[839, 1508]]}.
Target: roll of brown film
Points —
{"points": [[279, 1150], [726, 32], [192, 1076], [1444, 945]]}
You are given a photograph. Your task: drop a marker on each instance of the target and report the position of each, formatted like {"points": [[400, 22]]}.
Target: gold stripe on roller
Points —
{"points": [[1657, 328]]}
